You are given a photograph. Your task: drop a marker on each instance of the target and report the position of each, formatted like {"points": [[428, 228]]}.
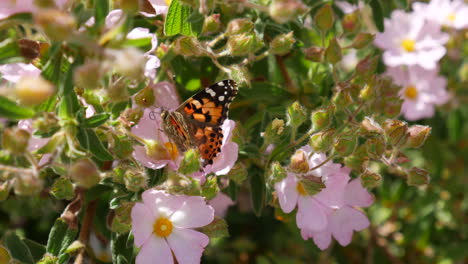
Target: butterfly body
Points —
{"points": [[196, 123]]}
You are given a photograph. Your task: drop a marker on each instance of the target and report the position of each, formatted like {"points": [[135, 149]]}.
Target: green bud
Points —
{"points": [[396, 132], [283, 11], [243, 44], [324, 18], [85, 173], [122, 221], [190, 163], [4, 255], [311, 186], [118, 92], [282, 44], [47, 123], [345, 146], [299, 162], [341, 99], [210, 188], [75, 247], [131, 116], [57, 25], [362, 40], [122, 146], [145, 97], [238, 173], [367, 67], [366, 93], [322, 118], [350, 22], [188, 46], [314, 54], [118, 174], [273, 131], [48, 259], [28, 185], [239, 26], [370, 127], [240, 74], [88, 75], [417, 177], [277, 172], [370, 179], [62, 189], [358, 160], [296, 114], [4, 192], [322, 141], [135, 180], [333, 53], [417, 135], [375, 147], [211, 24], [15, 140]]}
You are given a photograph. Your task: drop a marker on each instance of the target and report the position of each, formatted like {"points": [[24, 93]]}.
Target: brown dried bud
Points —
{"points": [[417, 177], [239, 26], [282, 44], [299, 162], [314, 54], [417, 135], [396, 131]]}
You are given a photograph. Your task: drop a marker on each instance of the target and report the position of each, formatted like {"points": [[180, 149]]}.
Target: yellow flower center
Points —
{"points": [[300, 189], [408, 45], [411, 92], [172, 150], [451, 17], [162, 227], [168, 2]]}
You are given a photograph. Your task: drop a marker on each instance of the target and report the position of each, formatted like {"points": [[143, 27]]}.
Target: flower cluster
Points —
{"points": [[327, 199], [413, 44]]}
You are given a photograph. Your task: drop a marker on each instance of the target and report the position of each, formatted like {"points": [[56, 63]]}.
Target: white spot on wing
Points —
{"points": [[225, 92], [221, 84], [211, 92], [221, 98]]}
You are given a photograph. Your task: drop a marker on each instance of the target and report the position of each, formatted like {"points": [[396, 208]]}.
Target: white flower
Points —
{"points": [[444, 12]]}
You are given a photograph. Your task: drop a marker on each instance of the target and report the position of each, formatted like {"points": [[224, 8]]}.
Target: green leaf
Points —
{"points": [[121, 249], [196, 20], [176, 20], [101, 10], [257, 193], [37, 250], [96, 120], [18, 249], [216, 229], [377, 13], [9, 52], [455, 126], [90, 141], [11, 110], [60, 237]]}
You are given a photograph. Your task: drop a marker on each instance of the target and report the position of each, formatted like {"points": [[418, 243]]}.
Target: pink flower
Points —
{"points": [[34, 143], [343, 217], [220, 204], [317, 214], [11, 7], [13, 72], [159, 6], [163, 225], [422, 91], [348, 8], [444, 12], [410, 40]]}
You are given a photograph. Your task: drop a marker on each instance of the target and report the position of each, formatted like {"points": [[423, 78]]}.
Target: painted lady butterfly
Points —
{"points": [[196, 123]]}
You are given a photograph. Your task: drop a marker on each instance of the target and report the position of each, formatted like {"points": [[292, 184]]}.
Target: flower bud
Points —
{"points": [[322, 141], [417, 177], [28, 185], [118, 92], [362, 40], [210, 188], [417, 135], [350, 22], [358, 160], [299, 162], [277, 172], [135, 180], [33, 91], [57, 25], [243, 44], [88, 75], [15, 140], [47, 123], [283, 11], [29, 49], [190, 163], [345, 146], [324, 18], [370, 127], [396, 132], [274, 131], [129, 62], [157, 151], [131, 116], [238, 173], [366, 93], [322, 118], [240, 74], [239, 26], [188, 46], [311, 186], [296, 114], [367, 67], [375, 147], [4, 192], [145, 97], [211, 24], [333, 53], [62, 189], [314, 54], [392, 108], [282, 44], [342, 99], [122, 221], [122, 147], [85, 173], [370, 179]]}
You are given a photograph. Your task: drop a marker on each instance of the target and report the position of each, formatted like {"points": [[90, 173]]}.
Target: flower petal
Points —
{"points": [[322, 239], [221, 203], [310, 214], [286, 190], [161, 203], [357, 195], [155, 251], [142, 223], [344, 221], [187, 245], [193, 213]]}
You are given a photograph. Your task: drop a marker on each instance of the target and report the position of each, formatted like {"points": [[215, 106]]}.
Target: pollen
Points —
{"points": [[172, 150], [408, 45], [300, 189], [168, 2], [411, 92], [162, 227], [451, 17]]}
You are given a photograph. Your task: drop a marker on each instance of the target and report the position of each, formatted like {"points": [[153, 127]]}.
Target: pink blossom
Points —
{"points": [[163, 225], [422, 91], [220, 204], [11, 7], [34, 143], [13, 72], [159, 6], [444, 12], [410, 40], [348, 8], [316, 213]]}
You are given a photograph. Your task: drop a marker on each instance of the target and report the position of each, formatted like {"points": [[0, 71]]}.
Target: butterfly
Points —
{"points": [[196, 123]]}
